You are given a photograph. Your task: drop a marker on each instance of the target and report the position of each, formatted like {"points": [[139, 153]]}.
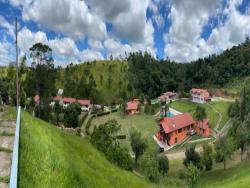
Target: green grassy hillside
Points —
{"points": [[146, 124], [237, 176], [52, 158]]}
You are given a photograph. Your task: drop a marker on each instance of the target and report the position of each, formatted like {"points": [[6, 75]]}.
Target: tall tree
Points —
{"points": [[207, 156], [224, 149], [41, 78], [192, 157], [243, 134], [137, 143], [243, 104], [200, 114]]}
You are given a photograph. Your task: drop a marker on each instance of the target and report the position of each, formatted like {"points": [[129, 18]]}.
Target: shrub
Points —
{"points": [[102, 113], [120, 156], [78, 131], [192, 157], [163, 164], [138, 144], [193, 175], [71, 114], [104, 138], [149, 165], [207, 157], [43, 112], [152, 109]]}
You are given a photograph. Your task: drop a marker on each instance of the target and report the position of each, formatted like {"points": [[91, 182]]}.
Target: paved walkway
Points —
{"points": [[7, 132]]}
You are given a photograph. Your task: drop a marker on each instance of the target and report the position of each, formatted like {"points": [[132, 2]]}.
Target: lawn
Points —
{"points": [[211, 108], [146, 124], [236, 176], [52, 158]]}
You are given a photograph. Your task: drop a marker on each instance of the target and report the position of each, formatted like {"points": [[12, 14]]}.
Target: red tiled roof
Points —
{"points": [[69, 100], [57, 98], [132, 105], [170, 93], [202, 92], [204, 124], [163, 97], [37, 98], [83, 101], [170, 124]]}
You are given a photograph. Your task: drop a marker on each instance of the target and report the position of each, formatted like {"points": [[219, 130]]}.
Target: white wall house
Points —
{"points": [[200, 95]]}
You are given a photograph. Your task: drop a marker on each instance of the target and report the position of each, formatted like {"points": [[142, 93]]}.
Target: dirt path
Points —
{"points": [[220, 117], [180, 154], [7, 130]]}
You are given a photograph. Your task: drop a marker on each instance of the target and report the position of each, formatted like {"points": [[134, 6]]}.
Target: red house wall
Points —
{"points": [[177, 136]]}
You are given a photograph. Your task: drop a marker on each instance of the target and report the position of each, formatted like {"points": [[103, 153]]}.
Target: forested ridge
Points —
{"points": [[140, 76]]}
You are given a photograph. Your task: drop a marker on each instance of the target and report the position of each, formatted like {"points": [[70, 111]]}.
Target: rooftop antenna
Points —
{"points": [[17, 80]]}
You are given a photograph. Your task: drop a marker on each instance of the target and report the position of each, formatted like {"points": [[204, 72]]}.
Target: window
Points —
{"points": [[176, 140], [179, 130]]}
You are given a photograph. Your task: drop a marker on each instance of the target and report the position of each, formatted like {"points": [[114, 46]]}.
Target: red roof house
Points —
{"points": [[133, 107], [202, 128], [68, 100], [57, 98], [84, 102], [175, 129], [200, 95], [170, 94]]}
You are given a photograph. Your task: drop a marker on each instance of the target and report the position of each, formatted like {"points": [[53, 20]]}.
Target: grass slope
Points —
{"points": [[146, 124], [237, 176], [220, 106], [51, 158]]}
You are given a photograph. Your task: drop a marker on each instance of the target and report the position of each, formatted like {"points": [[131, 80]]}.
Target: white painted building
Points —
{"points": [[200, 95]]}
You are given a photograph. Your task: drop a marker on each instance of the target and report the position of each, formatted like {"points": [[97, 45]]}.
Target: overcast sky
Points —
{"points": [[77, 31]]}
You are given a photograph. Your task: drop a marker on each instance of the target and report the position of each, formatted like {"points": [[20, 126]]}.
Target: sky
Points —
{"points": [[86, 30]]}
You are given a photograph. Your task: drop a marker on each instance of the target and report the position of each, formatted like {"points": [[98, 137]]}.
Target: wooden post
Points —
{"points": [[17, 79]]}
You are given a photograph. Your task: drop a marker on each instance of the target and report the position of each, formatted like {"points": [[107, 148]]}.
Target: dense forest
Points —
{"points": [[140, 76]]}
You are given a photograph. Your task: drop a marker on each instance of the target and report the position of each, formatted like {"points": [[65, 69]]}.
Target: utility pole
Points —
{"points": [[17, 80]]}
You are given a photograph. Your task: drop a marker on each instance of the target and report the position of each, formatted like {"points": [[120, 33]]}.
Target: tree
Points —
{"points": [[243, 104], [137, 143], [57, 111], [234, 109], [163, 165], [166, 110], [200, 114], [207, 156], [71, 114], [150, 168], [224, 149], [105, 138], [41, 77], [193, 176], [243, 134], [192, 157]]}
